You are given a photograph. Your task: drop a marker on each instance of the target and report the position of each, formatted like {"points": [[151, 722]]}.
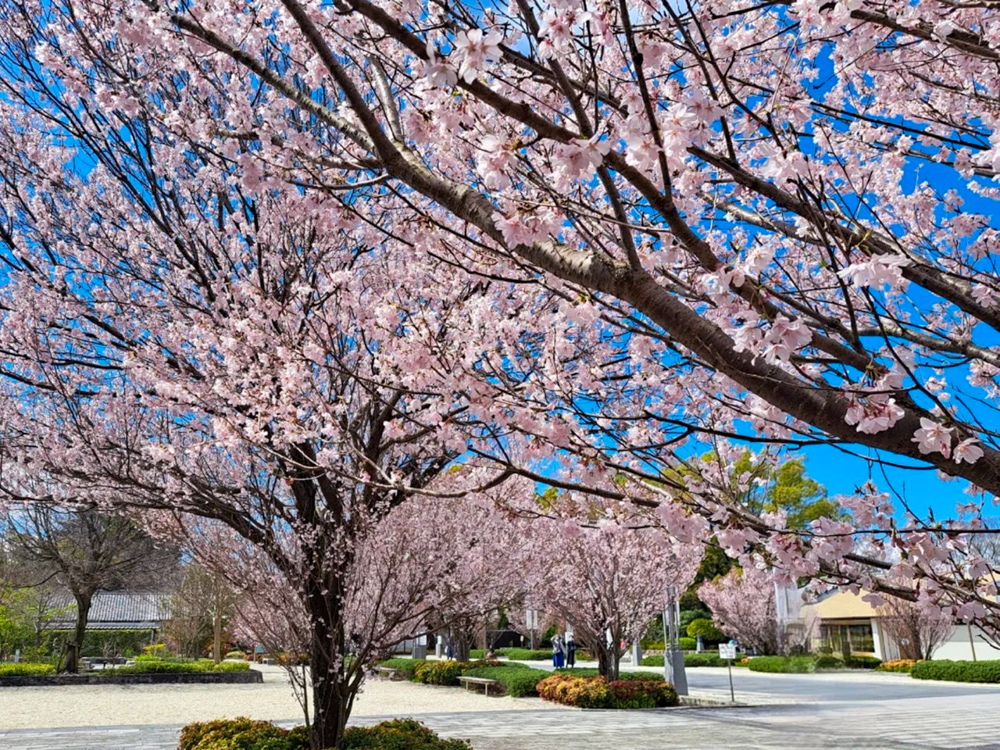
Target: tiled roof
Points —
{"points": [[118, 609]]}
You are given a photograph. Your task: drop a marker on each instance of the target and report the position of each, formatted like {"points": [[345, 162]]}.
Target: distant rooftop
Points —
{"points": [[111, 610]]}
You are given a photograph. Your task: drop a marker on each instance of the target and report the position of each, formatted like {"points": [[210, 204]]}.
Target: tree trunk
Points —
{"points": [[607, 661], [83, 602], [331, 694], [217, 634]]}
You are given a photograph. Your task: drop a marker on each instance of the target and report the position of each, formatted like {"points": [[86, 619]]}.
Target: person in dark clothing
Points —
{"points": [[571, 652]]}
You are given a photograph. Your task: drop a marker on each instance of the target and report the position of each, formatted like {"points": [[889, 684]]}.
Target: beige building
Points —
{"points": [[844, 618]]}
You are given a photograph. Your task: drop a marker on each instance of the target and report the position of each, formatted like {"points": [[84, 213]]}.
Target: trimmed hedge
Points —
{"points": [[247, 734], [518, 680], [526, 654], [591, 672], [897, 665], [148, 665], [957, 671], [407, 668], [26, 669], [862, 662], [439, 672], [595, 692], [783, 664]]}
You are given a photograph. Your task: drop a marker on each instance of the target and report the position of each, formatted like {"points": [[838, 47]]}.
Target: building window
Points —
{"points": [[857, 637]]}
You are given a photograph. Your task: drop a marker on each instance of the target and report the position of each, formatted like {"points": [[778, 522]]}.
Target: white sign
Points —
{"points": [[727, 650]]}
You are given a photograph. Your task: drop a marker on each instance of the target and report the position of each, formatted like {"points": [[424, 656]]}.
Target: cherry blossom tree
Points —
{"points": [[742, 604], [917, 630], [603, 234], [606, 579]]}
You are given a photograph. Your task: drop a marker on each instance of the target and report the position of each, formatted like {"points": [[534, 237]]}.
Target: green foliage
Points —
{"points": [[783, 664], [957, 671], [690, 615], [590, 672], [150, 665], [439, 672], [517, 679], [398, 734], [477, 653], [704, 659], [653, 660], [156, 651], [242, 734], [688, 644], [526, 654], [248, 734], [596, 692], [25, 669], [829, 661], [406, 668], [235, 655], [859, 661], [706, 629]]}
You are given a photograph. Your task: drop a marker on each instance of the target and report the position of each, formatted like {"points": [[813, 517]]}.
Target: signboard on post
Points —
{"points": [[727, 651]]}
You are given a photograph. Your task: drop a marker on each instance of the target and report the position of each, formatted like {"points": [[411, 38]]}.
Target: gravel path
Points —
{"points": [[107, 705]]}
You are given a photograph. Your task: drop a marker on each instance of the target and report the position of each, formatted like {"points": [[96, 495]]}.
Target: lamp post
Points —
{"points": [[673, 659]]}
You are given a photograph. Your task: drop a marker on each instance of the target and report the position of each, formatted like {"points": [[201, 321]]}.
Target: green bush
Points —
{"points": [[957, 671], [828, 661], [242, 734], [517, 679], [863, 662], [439, 672], [706, 629], [653, 660], [595, 692], [526, 654], [156, 651], [247, 734], [235, 655], [26, 669], [592, 672], [406, 668], [704, 659], [477, 653], [398, 734], [177, 666], [688, 644], [659, 645], [783, 664]]}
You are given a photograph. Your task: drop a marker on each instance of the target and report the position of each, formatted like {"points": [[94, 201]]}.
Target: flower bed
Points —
{"points": [[247, 734], [897, 665], [596, 692]]}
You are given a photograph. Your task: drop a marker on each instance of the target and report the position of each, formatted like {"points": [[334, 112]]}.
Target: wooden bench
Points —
{"points": [[484, 681], [386, 673]]}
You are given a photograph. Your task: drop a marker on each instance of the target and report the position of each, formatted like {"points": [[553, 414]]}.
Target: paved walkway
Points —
{"points": [[966, 723]]}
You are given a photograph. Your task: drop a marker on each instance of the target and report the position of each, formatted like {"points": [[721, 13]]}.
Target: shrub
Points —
{"points": [[896, 665], [406, 668], [398, 734], [247, 734], [527, 654], [156, 651], [477, 653], [688, 644], [26, 669], [517, 679], [785, 664], [653, 660], [592, 672], [235, 655], [857, 661], [439, 672], [706, 629], [828, 661], [176, 666], [704, 659], [242, 734], [957, 671], [653, 645], [595, 692]]}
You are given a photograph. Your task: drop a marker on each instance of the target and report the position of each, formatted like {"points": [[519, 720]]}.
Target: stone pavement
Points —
{"points": [[961, 722]]}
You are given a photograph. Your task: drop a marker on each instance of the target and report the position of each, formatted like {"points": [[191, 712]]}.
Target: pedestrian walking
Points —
{"points": [[558, 655], [571, 652]]}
